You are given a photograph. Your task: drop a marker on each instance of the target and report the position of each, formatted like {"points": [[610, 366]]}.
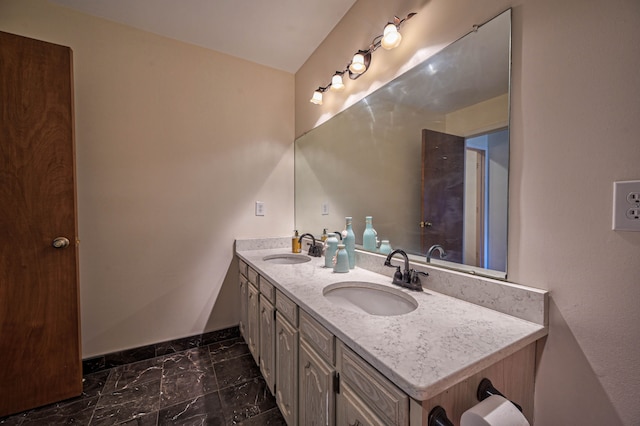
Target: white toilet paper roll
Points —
{"points": [[493, 411]]}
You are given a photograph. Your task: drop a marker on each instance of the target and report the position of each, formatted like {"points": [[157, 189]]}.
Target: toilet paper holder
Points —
{"points": [[486, 389], [438, 416]]}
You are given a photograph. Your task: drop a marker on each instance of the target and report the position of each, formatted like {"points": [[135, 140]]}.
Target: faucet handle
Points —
{"points": [[315, 250], [396, 275], [415, 278]]}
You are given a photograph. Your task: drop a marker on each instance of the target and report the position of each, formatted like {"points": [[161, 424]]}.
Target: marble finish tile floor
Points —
{"points": [[218, 384]]}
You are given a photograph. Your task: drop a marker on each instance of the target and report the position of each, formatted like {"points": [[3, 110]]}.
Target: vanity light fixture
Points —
{"points": [[389, 39], [317, 96], [336, 81], [360, 62]]}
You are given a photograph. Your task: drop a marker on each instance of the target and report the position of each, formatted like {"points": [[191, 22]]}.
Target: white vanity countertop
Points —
{"points": [[442, 342]]}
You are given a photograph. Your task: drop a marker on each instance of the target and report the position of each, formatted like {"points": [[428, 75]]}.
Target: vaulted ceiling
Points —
{"points": [[280, 34]]}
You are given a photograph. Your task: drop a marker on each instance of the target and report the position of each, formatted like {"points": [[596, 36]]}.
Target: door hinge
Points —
{"points": [[336, 382]]}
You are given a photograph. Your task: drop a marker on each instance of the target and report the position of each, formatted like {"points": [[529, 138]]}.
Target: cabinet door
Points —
{"points": [[253, 319], [267, 341], [374, 390], [351, 411], [287, 369], [243, 306], [316, 398]]}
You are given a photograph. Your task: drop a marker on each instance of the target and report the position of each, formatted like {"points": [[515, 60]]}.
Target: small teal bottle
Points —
{"points": [[369, 237], [330, 250], [349, 241], [385, 247], [342, 260]]}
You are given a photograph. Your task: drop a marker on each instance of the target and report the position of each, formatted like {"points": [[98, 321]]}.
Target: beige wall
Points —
{"points": [[482, 117], [175, 143], [575, 127]]}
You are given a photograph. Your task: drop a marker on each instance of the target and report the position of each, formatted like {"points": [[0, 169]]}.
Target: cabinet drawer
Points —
{"points": [[287, 308], [377, 392], [317, 336], [253, 276], [267, 290], [242, 267]]}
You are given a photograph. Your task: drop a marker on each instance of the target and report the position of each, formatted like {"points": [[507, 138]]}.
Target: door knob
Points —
{"points": [[60, 242]]}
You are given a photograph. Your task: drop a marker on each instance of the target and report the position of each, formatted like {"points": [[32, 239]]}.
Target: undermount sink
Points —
{"points": [[370, 298], [286, 259]]}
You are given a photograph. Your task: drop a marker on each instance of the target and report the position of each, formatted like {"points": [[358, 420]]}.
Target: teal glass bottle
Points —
{"points": [[369, 237], [342, 260], [330, 250], [385, 247], [349, 241]]}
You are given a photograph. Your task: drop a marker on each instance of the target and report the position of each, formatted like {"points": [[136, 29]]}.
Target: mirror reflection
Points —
{"points": [[426, 156]]}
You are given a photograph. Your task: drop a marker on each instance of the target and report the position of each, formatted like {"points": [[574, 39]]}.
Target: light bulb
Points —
{"points": [[357, 64], [317, 98], [336, 82], [391, 37]]}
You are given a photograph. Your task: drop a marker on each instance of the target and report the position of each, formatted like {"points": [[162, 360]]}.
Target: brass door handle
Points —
{"points": [[60, 243], [426, 224]]}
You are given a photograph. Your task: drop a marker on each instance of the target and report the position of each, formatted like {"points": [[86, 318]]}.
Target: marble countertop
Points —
{"points": [[442, 342]]}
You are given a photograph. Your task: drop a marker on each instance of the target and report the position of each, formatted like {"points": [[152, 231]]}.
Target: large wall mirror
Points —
{"points": [[427, 156]]}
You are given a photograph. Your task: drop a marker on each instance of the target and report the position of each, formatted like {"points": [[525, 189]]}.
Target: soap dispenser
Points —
{"points": [[295, 243]]}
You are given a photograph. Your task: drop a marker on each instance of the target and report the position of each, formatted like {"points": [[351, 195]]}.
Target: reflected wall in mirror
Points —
{"points": [[426, 155]]}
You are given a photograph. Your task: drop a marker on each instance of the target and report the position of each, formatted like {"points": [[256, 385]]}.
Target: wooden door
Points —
{"points": [[40, 355], [442, 193]]}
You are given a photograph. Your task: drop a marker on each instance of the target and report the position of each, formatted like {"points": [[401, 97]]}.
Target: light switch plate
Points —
{"points": [[626, 205], [259, 208], [325, 208]]}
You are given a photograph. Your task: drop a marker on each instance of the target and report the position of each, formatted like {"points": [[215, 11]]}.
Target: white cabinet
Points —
{"points": [[267, 342], [253, 321], [316, 401], [350, 410], [287, 369], [244, 294], [269, 325], [378, 400], [242, 269], [316, 372]]}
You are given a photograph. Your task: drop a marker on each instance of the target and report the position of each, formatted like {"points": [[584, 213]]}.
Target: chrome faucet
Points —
{"points": [[410, 278], [314, 250], [433, 248]]}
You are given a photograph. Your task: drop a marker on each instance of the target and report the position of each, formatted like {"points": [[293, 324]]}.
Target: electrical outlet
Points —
{"points": [[259, 208], [626, 205], [633, 213], [325, 209], [633, 197]]}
